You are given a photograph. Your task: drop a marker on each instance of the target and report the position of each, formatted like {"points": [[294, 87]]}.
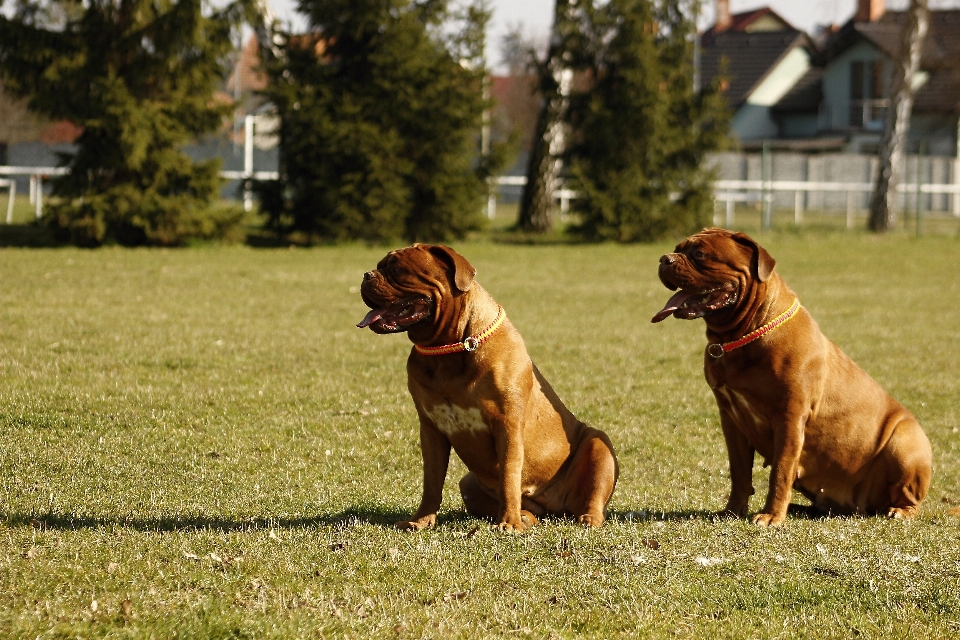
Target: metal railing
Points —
{"points": [[731, 192], [843, 115], [39, 174], [726, 192]]}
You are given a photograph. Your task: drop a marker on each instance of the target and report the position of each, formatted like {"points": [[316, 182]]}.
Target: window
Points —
{"points": [[868, 100]]}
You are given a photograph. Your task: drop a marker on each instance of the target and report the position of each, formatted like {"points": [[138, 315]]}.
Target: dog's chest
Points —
{"points": [[739, 408], [453, 420]]}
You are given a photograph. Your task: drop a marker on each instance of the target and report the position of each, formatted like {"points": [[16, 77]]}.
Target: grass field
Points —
{"points": [[199, 444]]}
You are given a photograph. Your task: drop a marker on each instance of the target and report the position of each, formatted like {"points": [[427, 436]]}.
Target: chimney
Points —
{"points": [[869, 10], [723, 15]]}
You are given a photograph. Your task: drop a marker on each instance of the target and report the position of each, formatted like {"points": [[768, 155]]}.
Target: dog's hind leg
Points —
{"points": [[591, 479], [899, 476], [909, 462]]}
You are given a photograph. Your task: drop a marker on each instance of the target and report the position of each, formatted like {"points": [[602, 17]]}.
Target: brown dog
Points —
{"points": [[475, 389], [828, 429]]}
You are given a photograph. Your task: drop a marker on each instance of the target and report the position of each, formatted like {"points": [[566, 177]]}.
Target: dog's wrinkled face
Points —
{"points": [[409, 284], [710, 271]]}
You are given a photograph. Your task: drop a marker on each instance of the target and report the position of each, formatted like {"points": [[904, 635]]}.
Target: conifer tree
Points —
{"points": [[380, 114], [139, 77], [640, 131]]}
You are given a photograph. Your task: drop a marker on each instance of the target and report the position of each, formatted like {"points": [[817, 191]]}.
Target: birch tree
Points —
{"points": [[897, 121]]}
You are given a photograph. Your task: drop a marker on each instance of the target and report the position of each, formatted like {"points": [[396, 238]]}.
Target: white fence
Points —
{"points": [[831, 183], [730, 192], [774, 181], [39, 174]]}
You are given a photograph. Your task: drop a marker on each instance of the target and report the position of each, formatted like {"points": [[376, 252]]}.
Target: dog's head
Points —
{"points": [[409, 286], [711, 271]]}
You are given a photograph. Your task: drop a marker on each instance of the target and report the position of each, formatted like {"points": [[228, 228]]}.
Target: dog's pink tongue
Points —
{"points": [[371, 317], [674, 303]]}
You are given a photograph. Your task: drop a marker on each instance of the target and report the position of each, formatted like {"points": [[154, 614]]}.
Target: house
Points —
{"points": [[758, 58], [839, 85], [845, 94]]}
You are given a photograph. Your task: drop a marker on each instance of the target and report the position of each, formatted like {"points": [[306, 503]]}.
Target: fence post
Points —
{"points": [[956, 174], [39, 201], [850, 210], [955, 197], [13, 195], [729, 214], [919, 195], [766, 193], [798, 207], [491, 198], [247, 162]]}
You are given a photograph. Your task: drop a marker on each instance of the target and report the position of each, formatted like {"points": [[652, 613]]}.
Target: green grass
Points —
{"points": [[202, 444]]}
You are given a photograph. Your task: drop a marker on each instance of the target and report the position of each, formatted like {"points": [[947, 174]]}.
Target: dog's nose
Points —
{"points": [[667, 259], [368, 275]]}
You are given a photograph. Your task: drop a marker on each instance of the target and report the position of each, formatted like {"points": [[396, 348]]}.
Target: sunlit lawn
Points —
{"points": [[199, 444]]}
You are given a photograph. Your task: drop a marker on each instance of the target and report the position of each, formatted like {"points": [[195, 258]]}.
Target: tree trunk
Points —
{"points": [[897, 121], [543, 167]]}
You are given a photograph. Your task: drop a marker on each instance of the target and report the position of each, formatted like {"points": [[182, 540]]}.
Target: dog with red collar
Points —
{"points": [[788, 393], [477, 392]]}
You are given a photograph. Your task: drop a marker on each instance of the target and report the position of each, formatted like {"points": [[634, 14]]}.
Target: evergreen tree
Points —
{"points": [[640, 131], [139, 77], [380, 115]]}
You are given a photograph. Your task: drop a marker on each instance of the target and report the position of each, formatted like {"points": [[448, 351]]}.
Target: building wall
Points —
{"points": [[798, 125], [937, 134], [835, 113], [753, 120]]}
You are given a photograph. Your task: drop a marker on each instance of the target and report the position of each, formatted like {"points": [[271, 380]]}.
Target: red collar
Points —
{"points": [[469, 344], [716, 349]]}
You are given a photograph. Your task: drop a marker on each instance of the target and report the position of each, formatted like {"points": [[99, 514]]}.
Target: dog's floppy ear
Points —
{"points": [[762, 263], [463, 271]]}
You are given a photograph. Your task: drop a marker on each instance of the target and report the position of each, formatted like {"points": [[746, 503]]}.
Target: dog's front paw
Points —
{"points": [[905, 512], [767, 520], [737, 507], [590, 520], [516, 524], [426, 522]]}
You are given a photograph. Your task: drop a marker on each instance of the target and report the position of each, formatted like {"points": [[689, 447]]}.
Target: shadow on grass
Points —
{"points": [[192, 522], [373, 515], [510, 236], [795, 511], [28, 236]]}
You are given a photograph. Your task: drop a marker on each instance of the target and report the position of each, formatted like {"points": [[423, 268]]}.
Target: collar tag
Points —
{"points": [[716, 350]]}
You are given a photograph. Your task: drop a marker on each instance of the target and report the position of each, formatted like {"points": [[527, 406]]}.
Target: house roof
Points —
{"points": [[748, 58], [805, 95], [746, 21], [940, 56]]}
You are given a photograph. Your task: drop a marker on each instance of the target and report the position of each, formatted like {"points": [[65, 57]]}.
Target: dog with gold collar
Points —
{"points": [[788, 393], [477, 391]]}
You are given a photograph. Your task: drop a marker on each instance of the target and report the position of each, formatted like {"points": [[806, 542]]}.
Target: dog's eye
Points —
{"points": [[699, 254]]}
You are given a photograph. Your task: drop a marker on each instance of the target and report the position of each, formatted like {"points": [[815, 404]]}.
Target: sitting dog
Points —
{"points": [[476, 390], [785, 391]]}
